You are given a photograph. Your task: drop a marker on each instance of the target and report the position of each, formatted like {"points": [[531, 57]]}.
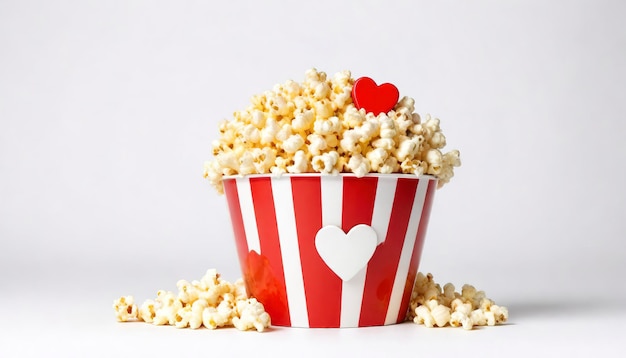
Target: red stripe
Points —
{"points": [[383, 265], [358, 201], [417, 249], [322, 286], [273, 292], [232, 198]]}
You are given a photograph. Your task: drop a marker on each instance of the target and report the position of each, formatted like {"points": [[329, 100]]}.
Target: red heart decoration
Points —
{"points": [[373, 98]]}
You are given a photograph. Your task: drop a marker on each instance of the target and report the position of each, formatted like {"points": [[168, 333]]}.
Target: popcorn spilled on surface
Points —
{"points": [[211, 302], [432, 306], [314, 127]]}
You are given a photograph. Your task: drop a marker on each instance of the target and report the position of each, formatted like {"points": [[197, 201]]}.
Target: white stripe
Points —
{"points": [[352, 291], [290, 251], [407, 251], [385, 194], [351, 299], [332, 200], [248, 215]]}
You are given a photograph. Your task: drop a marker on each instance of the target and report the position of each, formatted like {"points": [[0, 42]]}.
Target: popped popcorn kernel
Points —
{"points": [[168, 305], [460, 319], [125, 308], [314, 127], [240, 290], [147, 311], [423, 316], [441, 315], [326, 163], [182, 317], [359, 165], [197, 309], [211, 302], [187, 294], [251, 315], [300, 163], [220, 315], [432, 306]]}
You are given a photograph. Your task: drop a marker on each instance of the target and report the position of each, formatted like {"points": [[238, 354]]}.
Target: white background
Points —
{"points": [[108, 109]]}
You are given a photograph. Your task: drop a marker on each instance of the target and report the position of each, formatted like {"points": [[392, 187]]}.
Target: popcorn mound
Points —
{"points": [[314, 126], [432, 306], [211, 302]]}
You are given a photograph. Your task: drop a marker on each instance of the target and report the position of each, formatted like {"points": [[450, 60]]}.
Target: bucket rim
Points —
{"points": [[325, 175]]}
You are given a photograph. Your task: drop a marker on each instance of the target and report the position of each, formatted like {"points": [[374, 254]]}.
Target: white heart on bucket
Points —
{"points": [[346, 254]]}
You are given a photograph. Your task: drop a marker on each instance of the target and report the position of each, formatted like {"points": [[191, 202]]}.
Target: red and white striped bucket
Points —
{"points": [[330, 250]]}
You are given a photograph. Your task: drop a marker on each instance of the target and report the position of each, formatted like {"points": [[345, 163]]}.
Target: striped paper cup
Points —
{"points": [[330, 250]]}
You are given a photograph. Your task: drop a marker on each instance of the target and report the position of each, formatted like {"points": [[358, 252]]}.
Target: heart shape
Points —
{"points": [[373, 98], [346, 254]]}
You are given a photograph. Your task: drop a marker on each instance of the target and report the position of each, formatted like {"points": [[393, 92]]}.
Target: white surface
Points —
{"points": [[107, 110], [52, 323]]}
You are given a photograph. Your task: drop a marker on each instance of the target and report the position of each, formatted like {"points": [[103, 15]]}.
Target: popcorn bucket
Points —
{"points": [[330, 250]]}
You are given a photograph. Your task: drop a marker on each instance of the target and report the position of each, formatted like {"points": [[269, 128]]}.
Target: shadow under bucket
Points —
{"points": [[330, 250]]}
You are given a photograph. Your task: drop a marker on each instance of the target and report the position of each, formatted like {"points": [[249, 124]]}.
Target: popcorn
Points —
{"points": [[368, 130], [303, 120], [240, 290], [324, 109], [387, 144], [432, 306], [280, 165], [168, 305], [327, 126], [423, 316], [187, 293], [322, 90], [326, 163], [389, 166], [182, 317], [251, 314], [409, 147], [251, 134], [210, 302], [317, 143], [214, 317], [458, 305], [332, 141], [257, 119], [353, 118], [197, 310], [350, 142], [441, 315], [478, 318], [293, 143], [125, 308], [377, 158], [387, 127], [147, 311], [501, 313], [313, 126], [460, 319], [300, 163], [285, 132], [268, 133], [263, 159], [359, 165], [213, 303]]}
